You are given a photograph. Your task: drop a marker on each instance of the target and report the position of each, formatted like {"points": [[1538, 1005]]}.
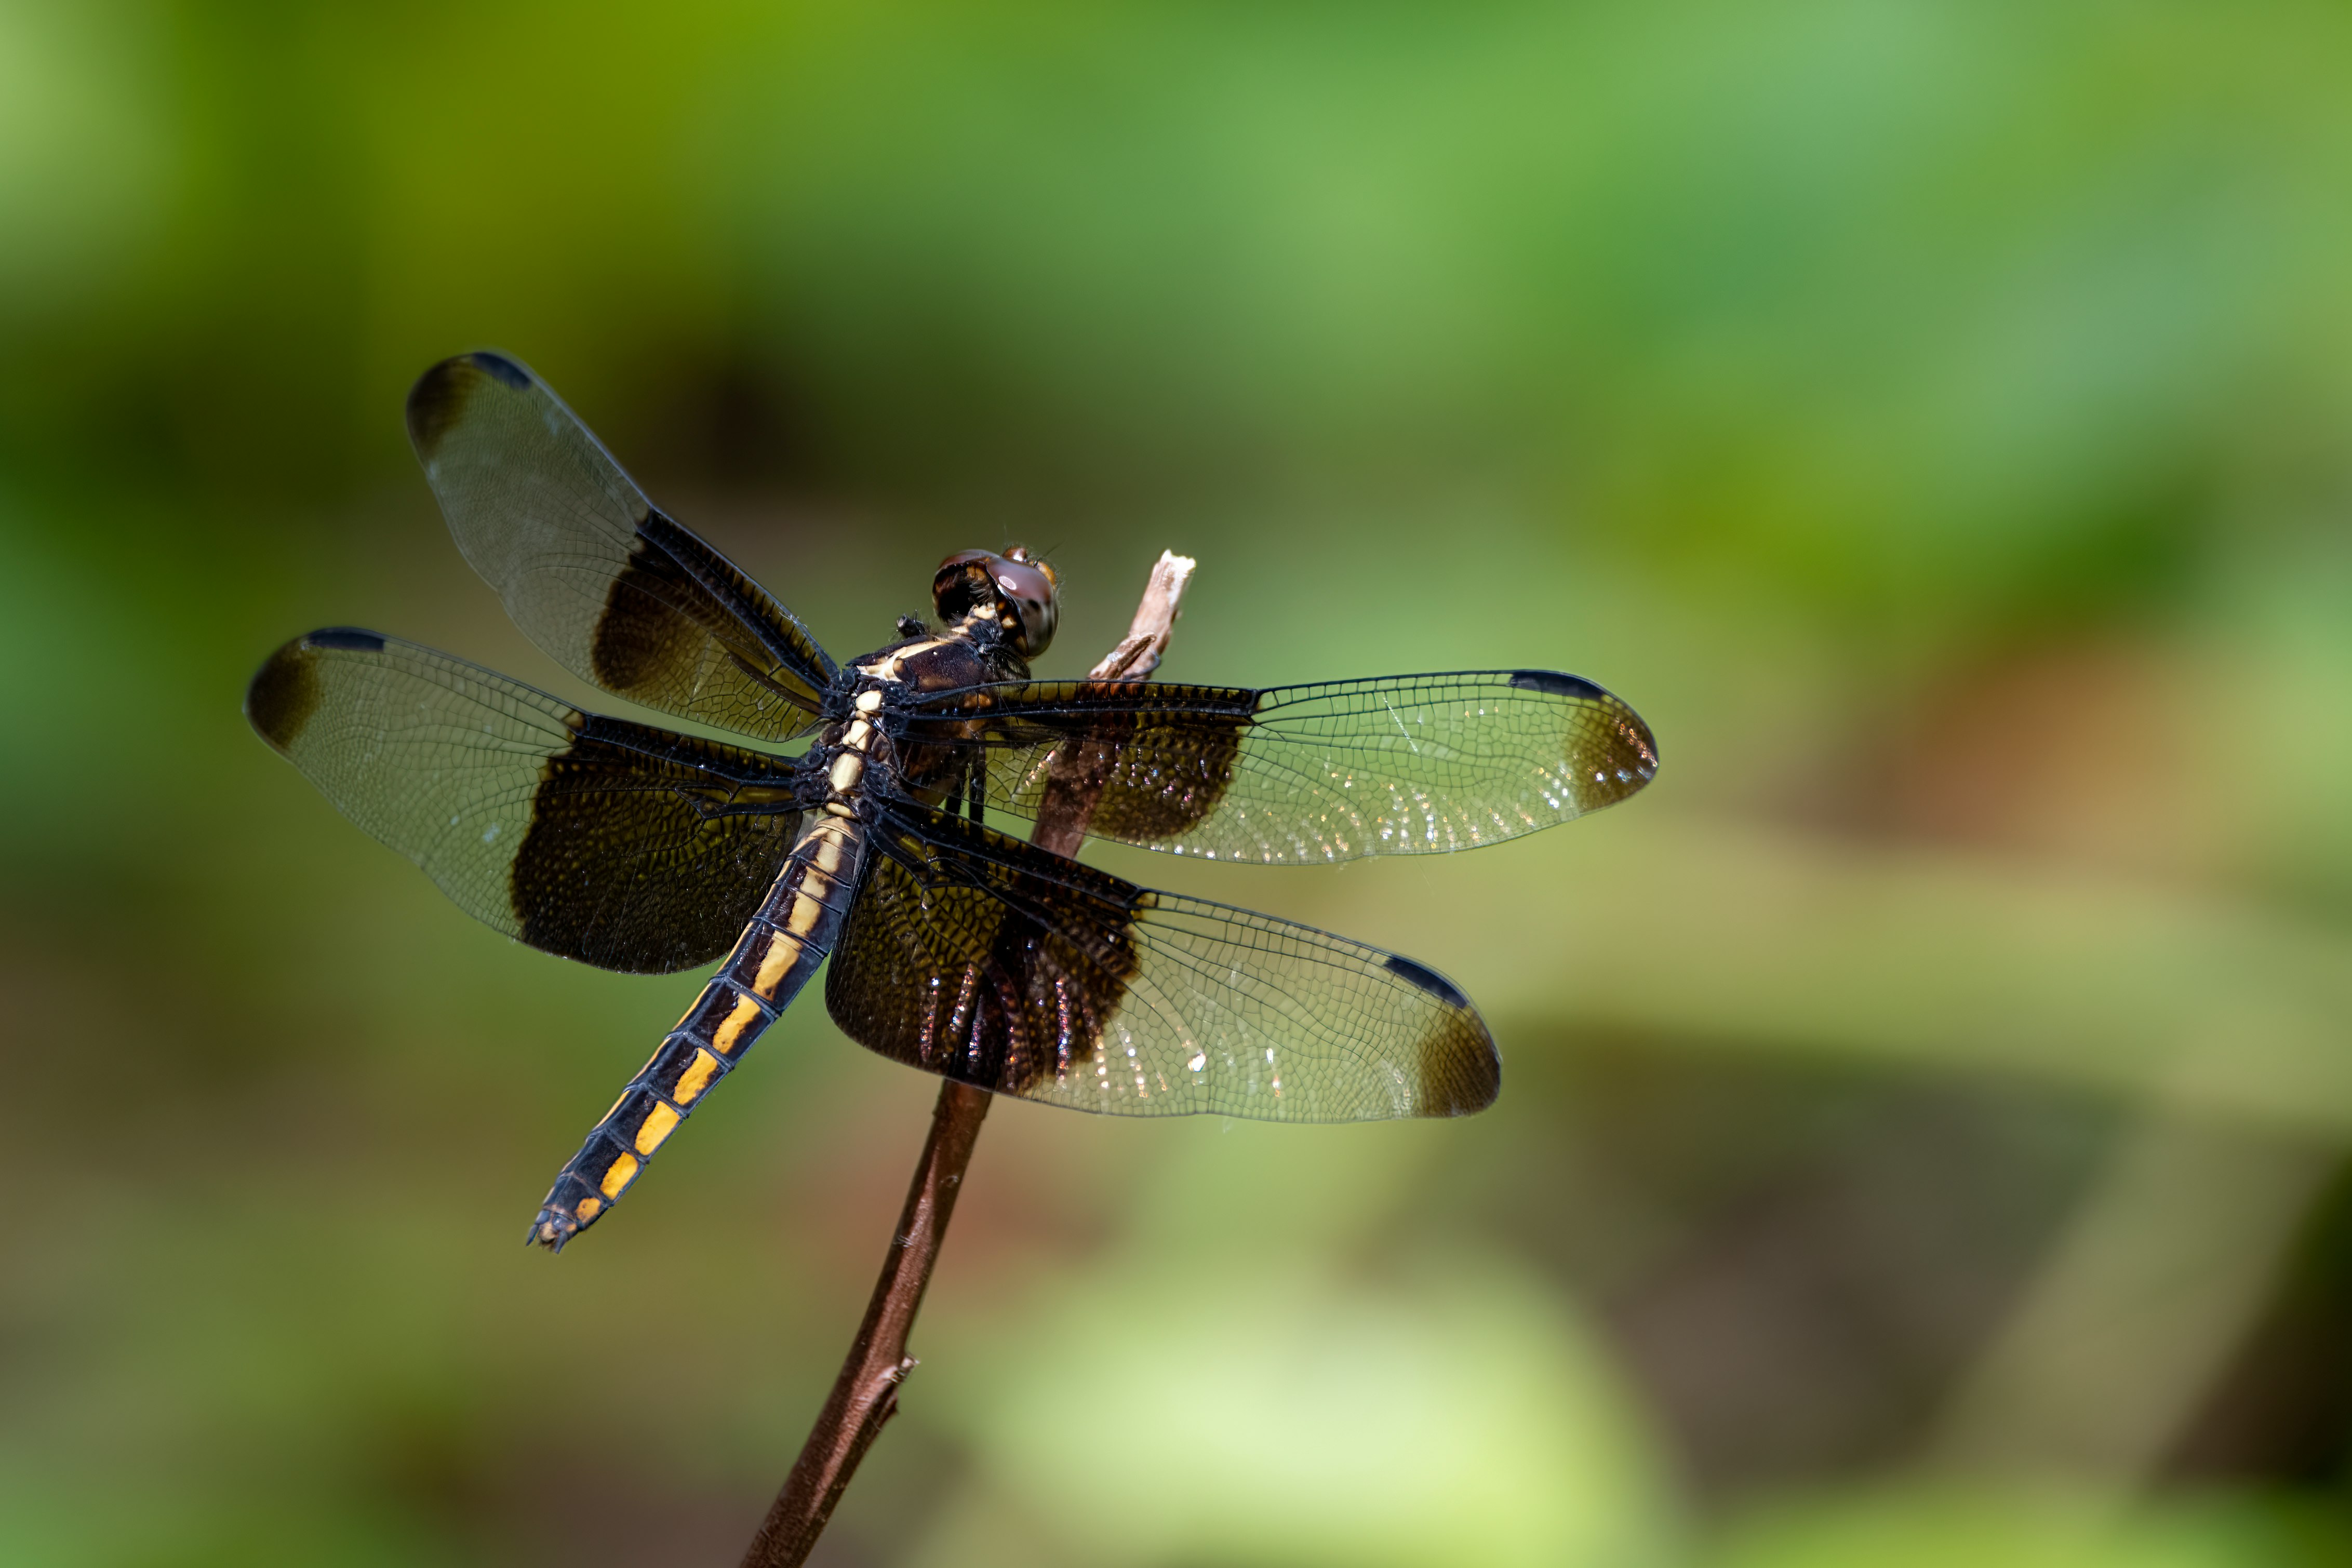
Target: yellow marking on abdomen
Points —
{"points": [[783, 954], [618, 1174], [855, 735], [723, 1039], [659, 1123], [827, 856], [807, 912], [696, 1079], [847, 768], [587, 1209]]}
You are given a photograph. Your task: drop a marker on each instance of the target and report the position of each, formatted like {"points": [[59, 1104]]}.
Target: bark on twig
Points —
{"points": [[865, 1395]]}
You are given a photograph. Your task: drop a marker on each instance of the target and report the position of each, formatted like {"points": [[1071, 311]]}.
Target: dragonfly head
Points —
{"points": [[1027, 593]]}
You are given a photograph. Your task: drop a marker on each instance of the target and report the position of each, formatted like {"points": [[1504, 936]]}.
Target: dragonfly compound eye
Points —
{"points": [[1028, 590]]}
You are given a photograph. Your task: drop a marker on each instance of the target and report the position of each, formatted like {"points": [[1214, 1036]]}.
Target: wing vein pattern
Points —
{"points": [[980, 957], [615, 591], [1287, 774], [617, 843]]}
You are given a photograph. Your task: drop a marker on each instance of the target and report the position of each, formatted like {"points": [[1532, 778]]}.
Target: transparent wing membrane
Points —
{"points": [[592, 837], [613, 590], [982, 958], [1400, 765]]}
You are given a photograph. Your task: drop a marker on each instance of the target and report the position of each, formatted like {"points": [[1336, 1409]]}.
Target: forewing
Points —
{"points": [[985, 960], [588, 837], [613, 590], [1400, 765]]}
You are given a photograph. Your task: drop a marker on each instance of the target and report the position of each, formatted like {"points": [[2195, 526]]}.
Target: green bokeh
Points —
{"points": [[1932, 416]]}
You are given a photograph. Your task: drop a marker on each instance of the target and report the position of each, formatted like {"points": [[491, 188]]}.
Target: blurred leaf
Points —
{"points": [[1233, 1400], [1960, 1530]]}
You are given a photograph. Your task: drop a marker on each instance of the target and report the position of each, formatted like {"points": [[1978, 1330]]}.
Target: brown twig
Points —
{"points": [[865, 1395]]}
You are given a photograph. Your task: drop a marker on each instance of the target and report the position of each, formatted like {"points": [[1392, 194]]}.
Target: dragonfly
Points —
{"points": [[876, 852]]}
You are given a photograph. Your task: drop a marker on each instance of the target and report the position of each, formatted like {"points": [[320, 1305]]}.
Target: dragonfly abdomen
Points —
{"points": [[794, 930]]}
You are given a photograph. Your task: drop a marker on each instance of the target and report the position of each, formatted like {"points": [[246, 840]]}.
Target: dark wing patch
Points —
{"points": [[283, 696], [1138, 761], [613, 590], [576, 833], [1400, 764], [985, 960]]}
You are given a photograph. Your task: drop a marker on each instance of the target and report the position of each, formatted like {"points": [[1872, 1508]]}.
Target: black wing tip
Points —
{"points": [[1620, 761], [282, 696], [345, 638], [437, 401], [1429, 980], [1644, 745], [500, 367], [1558, 683], [1461, 1072], [284, 693], [1635, 748]]}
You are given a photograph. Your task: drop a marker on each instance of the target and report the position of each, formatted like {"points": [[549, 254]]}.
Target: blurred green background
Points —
{"points": [[1924, 1138]]}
